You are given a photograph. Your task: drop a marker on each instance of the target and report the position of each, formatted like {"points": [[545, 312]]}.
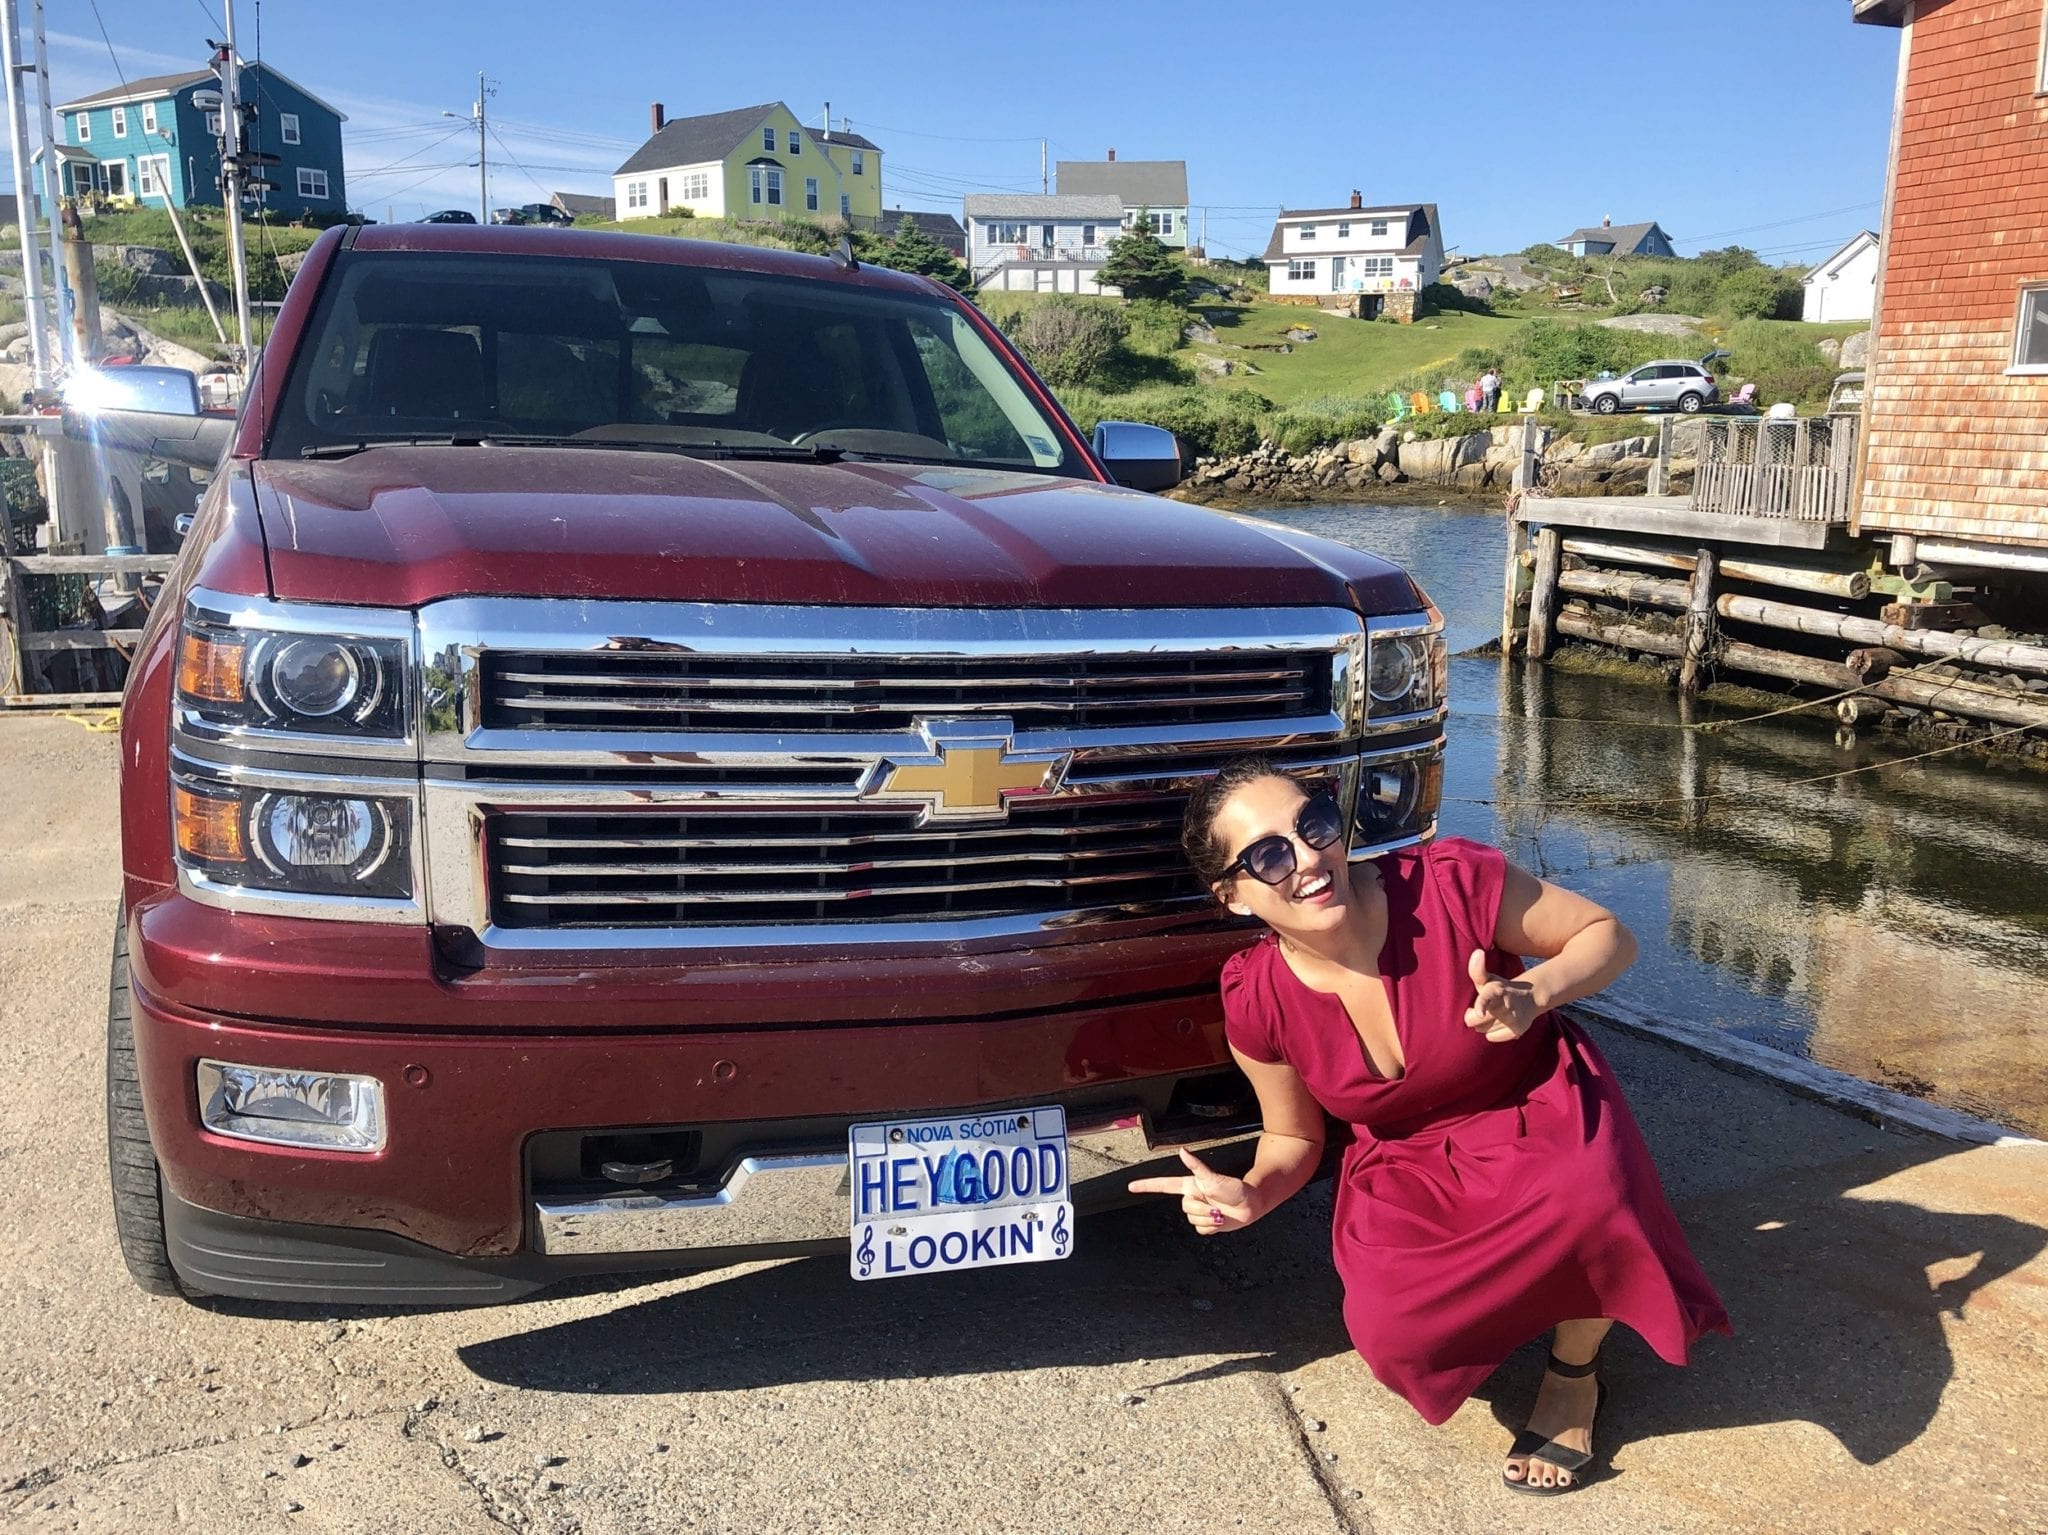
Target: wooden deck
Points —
{"points": [[1672, 517]]}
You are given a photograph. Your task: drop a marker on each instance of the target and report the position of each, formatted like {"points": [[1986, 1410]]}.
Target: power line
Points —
{"points": [[1806, 218], [533, 180]]}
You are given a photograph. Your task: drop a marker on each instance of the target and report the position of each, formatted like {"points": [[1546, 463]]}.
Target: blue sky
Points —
{"points": [[1760, 122]]}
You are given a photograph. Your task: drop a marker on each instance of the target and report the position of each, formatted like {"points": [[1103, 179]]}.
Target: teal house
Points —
{"points": [[151, 142]]}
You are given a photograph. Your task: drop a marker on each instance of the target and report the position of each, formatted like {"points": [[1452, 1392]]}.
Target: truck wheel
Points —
{"points": [[1607, 405], [138, 1194], [1690, 403]]}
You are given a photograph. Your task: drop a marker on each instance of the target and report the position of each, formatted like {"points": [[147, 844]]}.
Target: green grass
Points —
{"points": [[1348, 358]]}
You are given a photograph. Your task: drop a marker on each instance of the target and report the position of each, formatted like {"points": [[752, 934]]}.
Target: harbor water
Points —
{"points": [[1888, 921]]}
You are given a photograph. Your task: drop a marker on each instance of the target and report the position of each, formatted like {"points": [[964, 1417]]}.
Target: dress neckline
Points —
{"points": [[1336, 1000]]}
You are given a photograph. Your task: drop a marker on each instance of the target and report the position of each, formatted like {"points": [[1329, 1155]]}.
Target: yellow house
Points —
{"points": [[752, 163]]}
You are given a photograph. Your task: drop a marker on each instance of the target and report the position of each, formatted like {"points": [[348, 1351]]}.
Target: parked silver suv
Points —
{"points": [[1668, 382]]}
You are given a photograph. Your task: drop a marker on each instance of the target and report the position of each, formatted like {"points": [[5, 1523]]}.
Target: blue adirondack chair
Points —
{"points": [[1447, 402]]}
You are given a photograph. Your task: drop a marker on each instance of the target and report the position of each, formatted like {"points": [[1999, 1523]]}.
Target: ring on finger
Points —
{"points": [[1215, 1216]]}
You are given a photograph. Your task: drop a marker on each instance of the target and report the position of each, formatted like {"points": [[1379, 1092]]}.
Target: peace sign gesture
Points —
{"points": [[1211, 1201]]}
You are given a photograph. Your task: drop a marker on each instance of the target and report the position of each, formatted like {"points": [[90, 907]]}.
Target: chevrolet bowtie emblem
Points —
{"points": [[969, 776]]}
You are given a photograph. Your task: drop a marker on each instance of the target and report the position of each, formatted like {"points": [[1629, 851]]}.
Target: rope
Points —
{"points": [[99, 724]]}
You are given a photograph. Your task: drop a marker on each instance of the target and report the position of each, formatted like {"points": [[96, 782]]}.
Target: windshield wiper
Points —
{"points": [[802, 455], [364, 444]]}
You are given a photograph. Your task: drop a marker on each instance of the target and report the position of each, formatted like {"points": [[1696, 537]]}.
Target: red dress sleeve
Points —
{"points": [[1247, 1009], [1470, 877]]}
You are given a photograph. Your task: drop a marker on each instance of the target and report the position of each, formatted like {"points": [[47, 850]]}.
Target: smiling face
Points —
{"points": [[1314, 898]]}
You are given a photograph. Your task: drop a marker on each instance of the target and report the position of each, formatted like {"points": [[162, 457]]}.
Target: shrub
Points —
{"points": [[1068, 340], [1211, 423], [1330, 418]]}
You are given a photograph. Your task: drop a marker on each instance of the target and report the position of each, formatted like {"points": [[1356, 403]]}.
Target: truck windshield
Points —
{"points": [[410, 345]]}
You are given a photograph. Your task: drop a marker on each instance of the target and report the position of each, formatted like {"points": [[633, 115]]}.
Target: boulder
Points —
{"points": [[1195, 330], [1390, 474], [1439, 461], [143, 260], [1388, 443], [1856, 350], [1656, 324], [1829, 347], [1300, 333], [1687, 435], [1655, 294], [1626, 447], [1477, 286]]}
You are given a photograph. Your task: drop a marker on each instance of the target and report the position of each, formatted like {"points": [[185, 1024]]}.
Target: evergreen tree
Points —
{"points": [[910, 249], [1142, 267]]}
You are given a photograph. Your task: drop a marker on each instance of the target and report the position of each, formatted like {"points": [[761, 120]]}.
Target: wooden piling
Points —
{"points": [[1699, 622], [1543, 594], [1512, 585], [1660, 471]]}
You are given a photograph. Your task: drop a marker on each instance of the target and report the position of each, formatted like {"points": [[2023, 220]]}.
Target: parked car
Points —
{"points": [[450, 216], [1668, 383], [660, 754], [545, 213], [508, 216]]}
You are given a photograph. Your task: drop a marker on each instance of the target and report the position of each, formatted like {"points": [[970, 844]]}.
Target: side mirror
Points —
{"points": [[1142, 457], [152, 411]]}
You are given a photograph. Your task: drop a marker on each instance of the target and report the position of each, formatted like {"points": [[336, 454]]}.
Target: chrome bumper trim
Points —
{"points": [[806, 1197]]}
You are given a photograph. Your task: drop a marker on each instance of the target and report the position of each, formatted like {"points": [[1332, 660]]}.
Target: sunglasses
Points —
{"points": [[1271, 859]]}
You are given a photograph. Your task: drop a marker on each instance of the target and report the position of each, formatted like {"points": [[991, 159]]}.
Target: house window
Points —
{"points": [[1308, 232], [1301, 271], [1379, 228], [796, 143], [147, 173], [1344, 231], [636, 194], [81, 127], [2030, 346], [312, 181], [120, 122], [696, 186], [811, 193], [117, 178], [149, 117], [845, 206], [288, 127], [764, 185], [768, 140], [1087, 234], [860, 163], [1161, 223]]}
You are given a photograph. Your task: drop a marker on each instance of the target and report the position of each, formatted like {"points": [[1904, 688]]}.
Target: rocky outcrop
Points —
{"points": [[1477, 461], [1656, 324]]}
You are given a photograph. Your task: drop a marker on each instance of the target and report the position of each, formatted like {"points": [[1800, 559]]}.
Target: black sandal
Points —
{"points": [[1532, 1446]]}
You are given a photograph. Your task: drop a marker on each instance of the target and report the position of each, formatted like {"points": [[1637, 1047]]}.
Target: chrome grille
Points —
{"points": [[680, 691], [726, 868]]}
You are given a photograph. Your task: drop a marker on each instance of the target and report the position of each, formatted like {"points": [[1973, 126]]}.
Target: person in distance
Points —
{"points": [[1496, 1186]]}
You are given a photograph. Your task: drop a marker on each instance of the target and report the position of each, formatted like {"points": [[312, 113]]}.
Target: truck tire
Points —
{"points": [[137, 1189]]}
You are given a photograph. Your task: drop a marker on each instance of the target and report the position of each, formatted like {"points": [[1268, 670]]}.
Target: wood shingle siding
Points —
{"points": [[1957, 445]]}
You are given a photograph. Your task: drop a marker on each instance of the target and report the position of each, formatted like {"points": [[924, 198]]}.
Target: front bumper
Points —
{"points": [[467, 1201]]}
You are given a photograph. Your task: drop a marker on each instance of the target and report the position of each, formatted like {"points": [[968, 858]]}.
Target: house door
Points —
{"points": [[661, 191], [117, 177], [1337, 274]]}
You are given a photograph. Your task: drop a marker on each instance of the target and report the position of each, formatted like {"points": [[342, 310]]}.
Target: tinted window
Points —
{"points": [[414, 344]]}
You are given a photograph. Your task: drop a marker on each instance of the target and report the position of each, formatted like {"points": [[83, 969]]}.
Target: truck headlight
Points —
{"points": [[327, 843], [1405, 672], [1398, 796], [308, 684]]}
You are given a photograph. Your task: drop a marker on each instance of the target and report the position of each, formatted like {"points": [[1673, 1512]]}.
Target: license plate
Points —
{"points": [[966, 1192]]}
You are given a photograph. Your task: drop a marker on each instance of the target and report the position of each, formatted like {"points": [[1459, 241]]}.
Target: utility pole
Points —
{"points": [[67, 349], [1042, 184], [31, 259], [230, 69], [483, 174]]}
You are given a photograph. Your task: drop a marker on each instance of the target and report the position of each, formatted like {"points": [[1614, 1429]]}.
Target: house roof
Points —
{"points": [[714, 135], [157, 87], [1881, 13], [1102, 206], [1854, 247], [1138, 183], [940, 226], [1421, 219], [582, 202], [1623, 237]]}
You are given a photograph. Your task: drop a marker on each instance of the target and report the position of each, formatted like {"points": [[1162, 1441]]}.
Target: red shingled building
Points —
{"points": [[1955, 455]]}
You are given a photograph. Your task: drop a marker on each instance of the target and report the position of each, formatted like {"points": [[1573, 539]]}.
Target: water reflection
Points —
{"points": [[1890, 923]]}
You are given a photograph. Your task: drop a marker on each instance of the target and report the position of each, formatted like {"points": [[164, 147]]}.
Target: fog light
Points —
{"points": [[321, 1111], [309, 832]]}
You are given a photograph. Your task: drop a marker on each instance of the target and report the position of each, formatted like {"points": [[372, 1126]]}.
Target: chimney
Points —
{"points": [[828, 120], [657, 117], [1112, 157], [1356, 200], [1606, 221]]}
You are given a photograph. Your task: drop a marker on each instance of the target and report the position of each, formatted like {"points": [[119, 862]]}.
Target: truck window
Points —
{"points": [[424, 344]]}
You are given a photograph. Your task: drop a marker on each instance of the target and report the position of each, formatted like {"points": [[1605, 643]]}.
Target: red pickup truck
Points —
{"points": [[634, 714]]}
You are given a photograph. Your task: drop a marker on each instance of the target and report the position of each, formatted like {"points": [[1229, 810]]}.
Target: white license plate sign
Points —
{"points": [[967, 1192]]}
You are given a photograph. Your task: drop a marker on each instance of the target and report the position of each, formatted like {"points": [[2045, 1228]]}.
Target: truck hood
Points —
{"points": [[402, 526]]}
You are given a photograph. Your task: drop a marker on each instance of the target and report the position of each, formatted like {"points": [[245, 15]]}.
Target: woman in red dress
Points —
{"points": [[1496, 1185]]}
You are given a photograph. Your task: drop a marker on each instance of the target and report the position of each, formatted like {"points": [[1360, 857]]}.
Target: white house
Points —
{"points": [[1843, 287], [1371, 252], [1034, 244]]}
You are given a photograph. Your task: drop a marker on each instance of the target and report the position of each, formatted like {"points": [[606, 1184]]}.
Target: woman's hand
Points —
{"points": [[1502, 1010], [1211, 1201]]}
